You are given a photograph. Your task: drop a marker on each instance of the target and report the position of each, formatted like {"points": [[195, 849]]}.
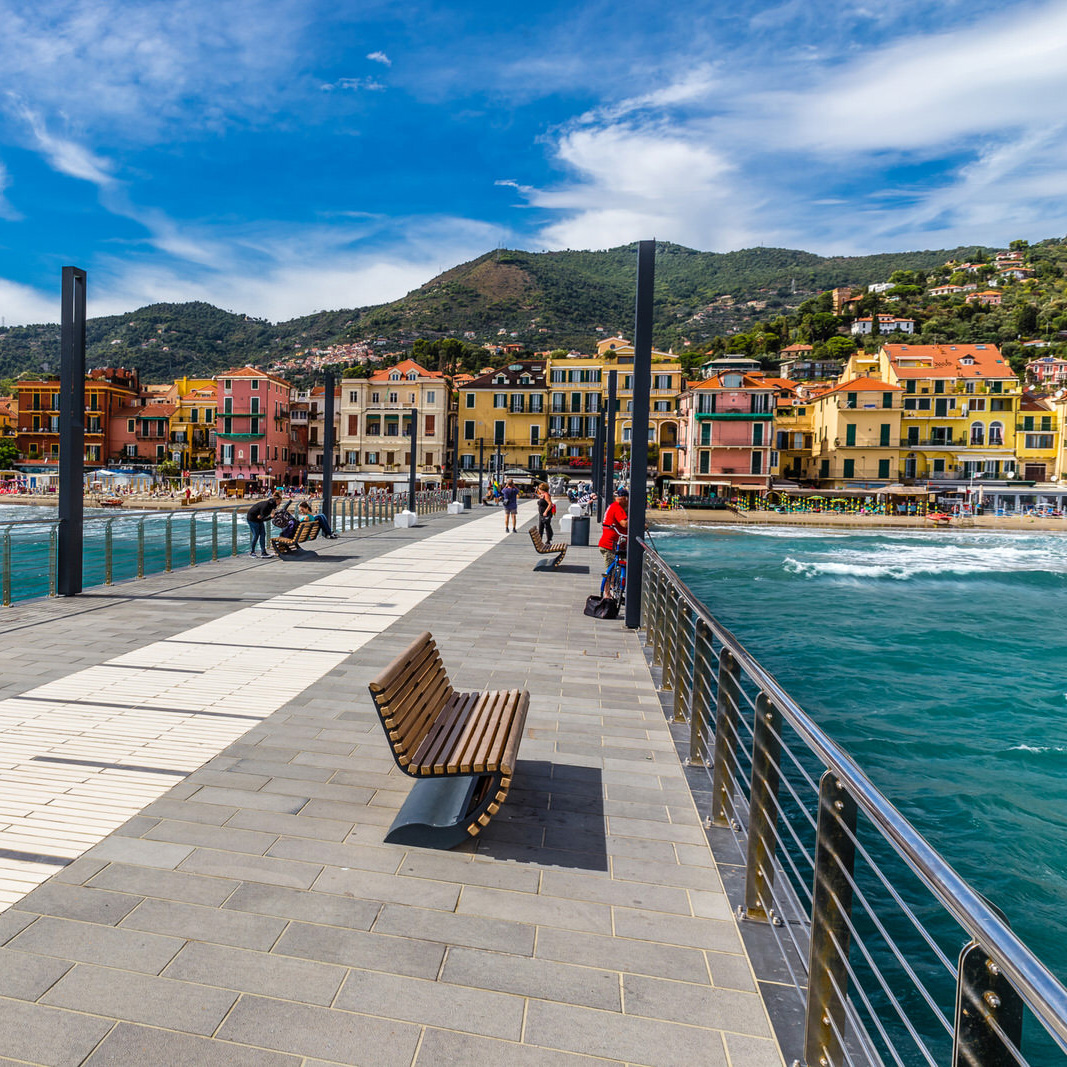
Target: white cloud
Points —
{"points": [[380, 57], [21, 305], [353, 85]]}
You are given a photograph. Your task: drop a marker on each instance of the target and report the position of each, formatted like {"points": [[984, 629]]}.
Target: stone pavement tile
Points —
{"points": [[225, 838], [710, 905], [13, 922], [292, 825], [641, 848], [141, 1046], [633, 809], [141, 852], [79, 871], [530, 977], [471, 930], [699, 856], [197, 923], [293, 772], [109, 946], [26, 977], [248, 798], [619, 954], [353, 810], [190, 811], [687, 833], [684, 1002], [752, 1052], [731, 972], [302, 1030], [432, 1003], [621, 1037], [42, 1035], [685, 877], [78, 902], [139, 998], [138, 826], [257, 972], [206, 778], [714, 934], [164, 884], [386, 888], [457, 867], [447, 1047], [357, 948], [332, 790], [312, 907], [536, 909], [252, 868], [607, 891], [371, 858]]}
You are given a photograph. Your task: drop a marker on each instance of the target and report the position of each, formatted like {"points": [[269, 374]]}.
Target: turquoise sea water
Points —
{"points": [[939, 661]]}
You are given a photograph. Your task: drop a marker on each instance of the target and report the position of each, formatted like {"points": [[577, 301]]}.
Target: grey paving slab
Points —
{"points": [[37, 1034], [258, 900]]}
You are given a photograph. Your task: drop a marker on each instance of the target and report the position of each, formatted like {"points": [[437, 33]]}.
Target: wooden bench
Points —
{"points": [[306, 530], [460, 746], [547, 550]]}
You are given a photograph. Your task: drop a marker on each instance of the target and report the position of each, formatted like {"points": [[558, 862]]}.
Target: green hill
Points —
{"points": [[543, 300]]}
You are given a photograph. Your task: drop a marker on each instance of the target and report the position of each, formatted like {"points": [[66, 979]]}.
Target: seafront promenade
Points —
{"points": [[194, 788]]}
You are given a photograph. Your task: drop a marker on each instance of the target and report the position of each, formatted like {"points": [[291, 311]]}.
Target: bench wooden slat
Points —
{"points": [[424, 675], [472, 730], [419, 714], [441, 736], [494, 741], [399, 665], [506, 762]]}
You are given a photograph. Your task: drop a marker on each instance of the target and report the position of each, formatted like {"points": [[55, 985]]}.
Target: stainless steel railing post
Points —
{"points": [[763, 809], [678, 672], [724, 761], [700, 697], [986, 1007], [168, 545], [53, 560], [214, 536], [6, 596], [140, 548], [233, 532], [831, 913], [670, 634], [192, 539]]}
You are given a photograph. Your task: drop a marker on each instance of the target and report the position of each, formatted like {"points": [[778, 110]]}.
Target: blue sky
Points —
{"points": [[286, 157]]}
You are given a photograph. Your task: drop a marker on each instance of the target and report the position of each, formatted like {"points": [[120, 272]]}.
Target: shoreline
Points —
{"points": [[719, 517]]}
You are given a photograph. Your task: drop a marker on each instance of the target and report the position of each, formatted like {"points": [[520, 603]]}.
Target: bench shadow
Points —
{"points": [[571, 568], [553, 817]]}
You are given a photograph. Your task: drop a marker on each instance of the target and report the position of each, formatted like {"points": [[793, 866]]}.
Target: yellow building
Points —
{"points": [[960, 409], [192, 426], [505, 410], [667, 385], [791, 457], [577, 386], [1037, 439], [856, 433]]}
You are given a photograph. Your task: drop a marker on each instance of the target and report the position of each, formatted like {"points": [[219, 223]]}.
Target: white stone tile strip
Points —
{"points": [[81, 755]]}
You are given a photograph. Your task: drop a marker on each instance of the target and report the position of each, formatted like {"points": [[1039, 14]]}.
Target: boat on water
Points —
{"points": [[110, 502]]}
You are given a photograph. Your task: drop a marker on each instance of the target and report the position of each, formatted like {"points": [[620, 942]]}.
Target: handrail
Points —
{"points": [[1038, 987]]}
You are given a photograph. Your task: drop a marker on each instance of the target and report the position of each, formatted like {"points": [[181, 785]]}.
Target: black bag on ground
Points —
{"points": [[602, 607]]}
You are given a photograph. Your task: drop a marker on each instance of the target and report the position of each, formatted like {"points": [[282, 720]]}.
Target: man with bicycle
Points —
{"points": [[615, 520]]}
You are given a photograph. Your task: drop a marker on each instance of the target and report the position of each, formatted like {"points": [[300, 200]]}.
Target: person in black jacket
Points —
{"points": [[257, 516]]}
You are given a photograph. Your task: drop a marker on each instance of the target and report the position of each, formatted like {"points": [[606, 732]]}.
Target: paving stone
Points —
{"points": [[252, 868], [683, 1002], [141, 852], [453, 867], [363, 857], [340, 1036], [42, 1035], [140, 998], [205, 924], [528, 977], [356, 948], [492, 1014], [25, 977], [138, 1046], [291, 825], [445, 1046], [12, 922], [752, 1052], [164, 884], [568, 886], [256, 972], [78, 902], [314, 907], [621, 1037], [536, 909], [370, 885], [618, 954], [471, 930], [246, 798], [677, 930], [109, 946]]}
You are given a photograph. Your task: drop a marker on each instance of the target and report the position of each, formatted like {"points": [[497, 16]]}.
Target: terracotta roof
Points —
{"points": [[862, 385], [795, 348], [405, 366], [944, 361], [747, 382]]}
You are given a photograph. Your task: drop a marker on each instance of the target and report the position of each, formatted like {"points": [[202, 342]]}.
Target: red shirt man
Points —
{"points": [[615, 520]]}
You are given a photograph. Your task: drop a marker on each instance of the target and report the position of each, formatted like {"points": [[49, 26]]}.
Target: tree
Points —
{"points": [[9, 453], [1025, 319], [840, 347]]}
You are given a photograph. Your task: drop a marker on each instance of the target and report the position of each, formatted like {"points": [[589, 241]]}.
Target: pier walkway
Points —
{"points": [[194, 787]]}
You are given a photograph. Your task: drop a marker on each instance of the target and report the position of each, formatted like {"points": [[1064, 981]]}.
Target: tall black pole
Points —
{"points": [[481, 468], [499, 464], [414, 430], [602, 433], [609, 440], [71, 433], [597, 459], [635, 526], [455, 462], [327, 447]]}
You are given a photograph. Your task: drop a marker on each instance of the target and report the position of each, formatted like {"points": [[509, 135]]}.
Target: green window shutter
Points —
{"points": [[850, 434], [883, 468], [850, 468], [883, 437]]}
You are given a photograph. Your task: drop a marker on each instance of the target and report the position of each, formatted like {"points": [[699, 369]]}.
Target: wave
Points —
{"points": [[1038, 748]]}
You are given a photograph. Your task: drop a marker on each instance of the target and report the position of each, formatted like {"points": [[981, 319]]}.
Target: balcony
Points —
{"points": [[1021, 427]]}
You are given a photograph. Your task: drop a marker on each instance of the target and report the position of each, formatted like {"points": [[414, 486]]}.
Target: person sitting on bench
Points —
{"points": [[306, 515]]}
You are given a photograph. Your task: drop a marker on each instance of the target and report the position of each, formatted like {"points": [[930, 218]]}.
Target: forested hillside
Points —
{"points": [[757, 300]]}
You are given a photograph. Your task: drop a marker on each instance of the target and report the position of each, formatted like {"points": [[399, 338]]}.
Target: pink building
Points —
{"points": [[727, 424], [252, 430]]}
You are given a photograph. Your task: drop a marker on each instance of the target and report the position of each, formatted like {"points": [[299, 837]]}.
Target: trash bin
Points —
{"points": [[465, 498], [580, 530]]}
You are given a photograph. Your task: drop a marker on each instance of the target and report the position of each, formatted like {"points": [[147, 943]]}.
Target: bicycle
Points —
{"points": [[613, 584]]}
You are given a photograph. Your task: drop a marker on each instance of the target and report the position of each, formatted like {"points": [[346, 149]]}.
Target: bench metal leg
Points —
{"points": [[445, 812]]}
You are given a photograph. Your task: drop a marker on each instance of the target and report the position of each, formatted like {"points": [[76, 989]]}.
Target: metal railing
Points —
{"points": [[134, 544], [894, 957]]}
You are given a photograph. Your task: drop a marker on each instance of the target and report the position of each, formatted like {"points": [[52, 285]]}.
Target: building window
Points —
{"points": [[468, 429], [500, 400], [470, 399], [850, 435], [850, 468], [131, 425], [393, 398], [883, 435], [757, 463], [353, 396], [887, 400], [372, 457], [255, 383], [254, 409], [705, 462], [996, 434], [661, 381], [431, 425], [498, 432], [977, 433], [537, 404], [534, 461], [535, 435], [757, 433], [518, 403], [375, 398], [253, 454], [431, 396], [668, 461]]}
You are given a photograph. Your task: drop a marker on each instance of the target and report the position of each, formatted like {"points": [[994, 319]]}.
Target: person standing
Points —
{"points": [[614, 527], [545, 510], [510, 498], [257, 516]]}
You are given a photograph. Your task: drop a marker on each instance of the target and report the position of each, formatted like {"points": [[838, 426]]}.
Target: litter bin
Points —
{"points": [[465, 498], [580, 530]]}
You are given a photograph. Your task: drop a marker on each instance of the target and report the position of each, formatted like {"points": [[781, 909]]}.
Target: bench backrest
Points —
{"points": [[306, 530], [536, 538], [409, 694]]}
